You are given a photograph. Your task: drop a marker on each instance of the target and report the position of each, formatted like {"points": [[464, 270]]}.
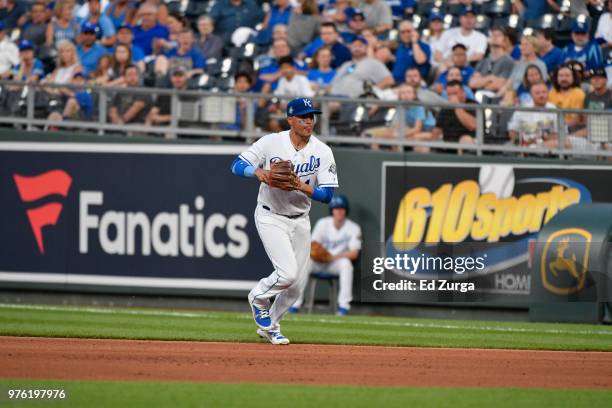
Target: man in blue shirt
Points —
{"points": [[328, 37], [107, 29], [148, 30], [125, 36], [89, 51], [583, 49], [186, 56], [551, 55], [228, 15], [411, 53], [459, 58]]}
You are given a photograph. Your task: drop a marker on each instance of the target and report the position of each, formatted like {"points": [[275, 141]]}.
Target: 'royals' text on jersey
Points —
{"points": [[337, 241], [314, 164]]}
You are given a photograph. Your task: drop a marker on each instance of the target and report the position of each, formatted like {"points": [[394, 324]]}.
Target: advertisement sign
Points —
{"points": [[127, 215], [484, 219]]}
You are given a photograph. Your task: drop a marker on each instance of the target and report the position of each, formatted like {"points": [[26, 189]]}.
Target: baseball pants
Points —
{"points": [[343, 268], [287, 244]]}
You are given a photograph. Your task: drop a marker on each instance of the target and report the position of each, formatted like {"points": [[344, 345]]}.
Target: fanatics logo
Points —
{"points": [[38, 187]]}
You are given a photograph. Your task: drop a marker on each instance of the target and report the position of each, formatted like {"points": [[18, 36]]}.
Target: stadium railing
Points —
{"points": [[210, 114]]}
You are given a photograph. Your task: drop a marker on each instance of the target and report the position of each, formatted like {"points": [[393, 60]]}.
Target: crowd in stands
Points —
{"points": [[523, 53]]}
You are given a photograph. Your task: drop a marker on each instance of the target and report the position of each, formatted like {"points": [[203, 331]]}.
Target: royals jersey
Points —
{"points": [[336, 241], [314, 165]]}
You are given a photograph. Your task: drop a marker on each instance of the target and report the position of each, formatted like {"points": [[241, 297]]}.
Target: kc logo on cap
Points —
{"points": [[301, 106]]}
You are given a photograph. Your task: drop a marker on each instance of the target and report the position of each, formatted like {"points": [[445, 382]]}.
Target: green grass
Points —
{"points": [[58, 321], [136, 394]]}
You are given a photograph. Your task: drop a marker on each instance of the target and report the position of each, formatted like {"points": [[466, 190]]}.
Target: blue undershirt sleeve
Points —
{"points": [[242, 168], [323, 194]]}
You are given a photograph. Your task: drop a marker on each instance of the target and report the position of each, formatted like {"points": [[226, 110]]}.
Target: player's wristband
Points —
{"points": [[323, 194], [242, 168]]}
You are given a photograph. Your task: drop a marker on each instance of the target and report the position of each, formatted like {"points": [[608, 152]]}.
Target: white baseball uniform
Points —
{"points": [[281, 218], [336, 241]]}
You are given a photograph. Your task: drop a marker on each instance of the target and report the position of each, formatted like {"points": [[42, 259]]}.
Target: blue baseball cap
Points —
{"points": [[88, 27], [580, 27], [301, 106], [436, 15], [339, 201], [124, 26], [360, 38], [467, 9], [25, 45]]}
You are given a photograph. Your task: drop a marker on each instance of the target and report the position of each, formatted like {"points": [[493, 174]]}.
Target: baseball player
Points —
{"points": [[341, 239], [293, 167]]}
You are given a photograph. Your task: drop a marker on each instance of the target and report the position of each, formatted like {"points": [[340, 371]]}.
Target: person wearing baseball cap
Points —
{"points": [[356, 22], [29, 68], [352, 76], [9, 53], [292, 168], [600, 98], [582, 48], [475, 41], [89, 50], [436, 29], [302, 108], [106, 28]]}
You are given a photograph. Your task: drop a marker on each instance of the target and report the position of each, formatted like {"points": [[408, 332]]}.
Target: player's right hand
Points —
{"points": [[263, 175]]}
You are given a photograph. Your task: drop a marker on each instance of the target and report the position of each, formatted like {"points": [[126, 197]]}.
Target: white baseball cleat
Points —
{"points": [[274, 336]]}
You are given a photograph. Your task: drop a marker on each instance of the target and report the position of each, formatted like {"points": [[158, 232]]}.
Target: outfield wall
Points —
{"points": [[129, 216]]}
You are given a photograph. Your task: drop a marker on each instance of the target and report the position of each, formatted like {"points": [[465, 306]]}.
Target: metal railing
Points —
{"points": [[209, 114]]}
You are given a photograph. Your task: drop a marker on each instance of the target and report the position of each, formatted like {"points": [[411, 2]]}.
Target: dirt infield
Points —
{"points": [[91, 359]]}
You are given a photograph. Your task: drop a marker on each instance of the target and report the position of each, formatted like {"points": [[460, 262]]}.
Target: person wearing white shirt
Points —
{"points": [[535, 129], [9, 53], [475, 41], [604, 28], [342, 238], [291, 84]]}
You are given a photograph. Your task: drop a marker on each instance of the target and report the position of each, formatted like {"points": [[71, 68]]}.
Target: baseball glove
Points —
{"points": [[318, 253], [282, 176]]}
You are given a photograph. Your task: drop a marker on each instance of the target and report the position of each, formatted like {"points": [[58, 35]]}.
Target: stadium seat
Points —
{"points": [[174, 7], [545, 21], [450, 21], [563, 24], [483, 24], [419, 22], [195, 8], [213, 66], [453, 9], [513, 21], [497, 8], [424, 7]]}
